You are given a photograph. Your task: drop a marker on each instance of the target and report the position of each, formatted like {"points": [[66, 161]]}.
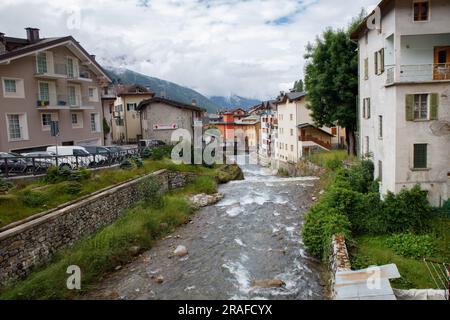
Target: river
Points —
{"points": [[252, 234]]}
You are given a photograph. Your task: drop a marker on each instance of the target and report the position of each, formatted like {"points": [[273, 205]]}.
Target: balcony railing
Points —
{"points": [[309, 138], [419, 73]]}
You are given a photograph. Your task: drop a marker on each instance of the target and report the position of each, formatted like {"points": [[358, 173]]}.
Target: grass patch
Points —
{"points": [[139, 226], [28, 199], [329, 159]]}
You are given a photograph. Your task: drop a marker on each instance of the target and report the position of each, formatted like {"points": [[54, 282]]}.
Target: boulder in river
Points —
{"points": [[180, 251], [268, 283], [204, 200]]}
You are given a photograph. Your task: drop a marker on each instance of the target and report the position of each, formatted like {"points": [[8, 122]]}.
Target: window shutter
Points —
{"points": [[376, 62], [434, 106], [409, 111], [382, 60]]}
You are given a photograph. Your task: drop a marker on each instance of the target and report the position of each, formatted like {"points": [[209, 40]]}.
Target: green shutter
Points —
{"points": [[434, 106], [382, 60], [376, 62], [420, 156], [409, 111]]}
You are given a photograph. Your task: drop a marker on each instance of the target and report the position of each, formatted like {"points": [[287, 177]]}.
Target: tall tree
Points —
{"points": [[331, 80], [298, 86]]}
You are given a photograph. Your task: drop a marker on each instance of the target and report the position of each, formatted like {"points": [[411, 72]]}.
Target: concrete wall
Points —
{"points": [[25, 68], [338, 260], [33, 242]]}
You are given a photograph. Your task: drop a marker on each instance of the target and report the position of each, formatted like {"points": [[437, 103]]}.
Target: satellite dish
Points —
{"points": [[440, 128]]}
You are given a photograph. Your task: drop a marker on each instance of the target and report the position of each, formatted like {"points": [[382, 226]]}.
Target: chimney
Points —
{"points": [[2, 43], [93, 56], [194, 102], [32, 35]]}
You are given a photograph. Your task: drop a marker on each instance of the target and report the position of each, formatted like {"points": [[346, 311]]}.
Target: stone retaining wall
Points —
{"points": [[339, 260], [33, 241]]}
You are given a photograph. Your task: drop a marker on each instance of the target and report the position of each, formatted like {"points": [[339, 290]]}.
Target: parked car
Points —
{"points": [[117, 153], [151, 143], [15, 163], [101, 154]]}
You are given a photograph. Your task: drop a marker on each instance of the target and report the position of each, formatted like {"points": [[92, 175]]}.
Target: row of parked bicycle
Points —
{"points": [[64, 157]]}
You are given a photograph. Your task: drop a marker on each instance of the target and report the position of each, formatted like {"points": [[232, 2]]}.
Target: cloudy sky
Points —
{"points": [[252, 48]]}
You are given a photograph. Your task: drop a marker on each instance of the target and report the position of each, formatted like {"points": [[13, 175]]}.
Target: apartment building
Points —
{"points": [[297, 135], [126, 125], [268, 114], [404, 108], [44, 80]]}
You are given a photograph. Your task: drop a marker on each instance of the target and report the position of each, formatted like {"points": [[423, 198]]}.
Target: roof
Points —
{"points": [[383, 5], [173, 103], [22, 48], [250, 120], [133, 90], [291, 96], [309, 125]]}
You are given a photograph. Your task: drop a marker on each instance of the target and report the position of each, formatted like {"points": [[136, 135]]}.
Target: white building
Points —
{"points": [[297, 136], [404, 108]]}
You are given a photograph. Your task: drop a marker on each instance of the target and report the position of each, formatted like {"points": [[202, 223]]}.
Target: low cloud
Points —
{"points": [[253, 48]]}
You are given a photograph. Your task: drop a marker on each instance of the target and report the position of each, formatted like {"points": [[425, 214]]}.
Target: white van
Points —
{"points": [[71, 156]]}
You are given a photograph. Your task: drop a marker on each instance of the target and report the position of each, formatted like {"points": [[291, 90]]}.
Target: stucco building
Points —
{"points": [[160, 117], [404, 107], [44, 80], [126, 124]]}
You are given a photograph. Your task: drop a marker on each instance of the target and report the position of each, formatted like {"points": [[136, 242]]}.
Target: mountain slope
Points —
{"points": [[171, 90], [234, 101]]}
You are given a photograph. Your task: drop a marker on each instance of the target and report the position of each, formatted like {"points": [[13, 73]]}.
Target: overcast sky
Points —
{"points": [[252, 48]]}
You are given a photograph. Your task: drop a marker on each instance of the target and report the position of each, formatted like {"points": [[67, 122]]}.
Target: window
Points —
{"points": [[380, 126], [292, 148], [366, 69], [131, 106], [72, 96], [421, 10], [291, 116], [292, 132], [380, 170], [286, 147], [379, 62], [366, 108], [10, 85], [41, 62], [74, 118], [70, 68], [334, 131], [44, 91], [46, 119], [13, 88], [14, 127], [94, 122], [367, 151], [93, 94], [420, 156], [421, 107], [118, 108]]}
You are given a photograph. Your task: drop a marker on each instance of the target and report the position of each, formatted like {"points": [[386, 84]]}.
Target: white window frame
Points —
{"points": [[53, 117], [22, 126], [20, 89], [96, 122], [94, 97], [39, 90], [428, 106], [79, 124], [46, 62]]}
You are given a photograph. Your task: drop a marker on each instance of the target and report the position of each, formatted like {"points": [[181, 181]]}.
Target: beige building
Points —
{"points": [[404, 90], [160, 117], [126, 124], [44, 80], [296, 135]]}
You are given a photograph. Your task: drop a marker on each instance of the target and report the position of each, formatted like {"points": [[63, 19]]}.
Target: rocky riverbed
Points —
{"points": [[246, 246]]}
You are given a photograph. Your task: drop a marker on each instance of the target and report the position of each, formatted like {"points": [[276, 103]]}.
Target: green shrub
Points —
{"points": [[205, 184], [410, 245], [409, 210], [321, 223], [55, 175], [71, 187], [333, 164], [137, 161], [283, 173], [445, 208], [34, 198], [5, 186], [126, 165], [151, 192], [146, 153]]}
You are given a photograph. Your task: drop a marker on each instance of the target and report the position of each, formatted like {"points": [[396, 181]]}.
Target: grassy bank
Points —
{"points": [[402, 229], [114, 245], [25, 200]]}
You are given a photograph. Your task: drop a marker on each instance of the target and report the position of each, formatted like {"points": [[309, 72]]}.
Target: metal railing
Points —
{"points": [[15, 166], [419, 73]]}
